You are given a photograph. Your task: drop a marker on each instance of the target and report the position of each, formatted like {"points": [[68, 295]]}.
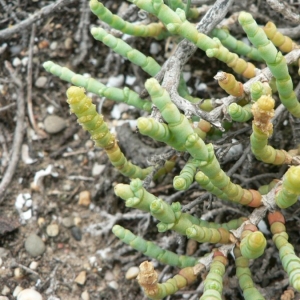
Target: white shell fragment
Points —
{"points": [[23, 201], [29, 294], [39, 175], [25, 155]]}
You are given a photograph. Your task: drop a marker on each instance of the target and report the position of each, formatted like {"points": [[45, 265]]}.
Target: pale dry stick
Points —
{"points": [[185, 48], [14, 264], [18, 134], [38, 131], [238, 163], [218, 211], [183, 52], [197, 201], [6, 8], [245, 180], [171, 82], [283, 8], [2, 109], [210, 20], [105, 226], [49, 9], [4, 154], [82, 35], [293, 32]]}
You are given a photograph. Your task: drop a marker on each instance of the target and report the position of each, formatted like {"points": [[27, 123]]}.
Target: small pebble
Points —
{"points": [[109, 276], [77, 221], [67, 187], [33, 265], [191, 247], [53, 45], [155, 48], [52, 230], [43, 44], [16, 62], [4, 252], [81, 278], [76, 233], [5, 291], [54, 124], [41, 222], [29, 294], [97, 169], [84, 198], [113, 284], [68, 222], [115, 81], [132, 273], [34, 245], [41, 82], [68, 43], [18, 273], [15, 50], [3, 298], [25, 61], [85, 295], [17, 290]]}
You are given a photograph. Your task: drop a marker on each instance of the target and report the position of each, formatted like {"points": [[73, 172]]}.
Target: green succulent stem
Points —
{"points": [[240, 113], [213, 283], [235, 45], [148, 278], [289, 260], [156, 30], [245, 277], [289, 191], [91, 121], [92, 85], [147, 63], [274, 60], [152, 250]]}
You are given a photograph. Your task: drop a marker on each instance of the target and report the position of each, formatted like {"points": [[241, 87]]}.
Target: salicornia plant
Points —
{"points": [[185, 124]]}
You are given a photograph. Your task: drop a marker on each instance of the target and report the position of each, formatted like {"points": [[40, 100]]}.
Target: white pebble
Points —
{"points": [[113, 284], [33, 265], [41, 81], [154, 48], [18, 273], [201, 87], [5, 291], [17, 290], [97, 169], [53, 46], [85, 295], [25, 61], [115, 81], [132, 273], [130, 80], [29, 294], [186, 76], [16, 62], [52, 230], [50, 109]]}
